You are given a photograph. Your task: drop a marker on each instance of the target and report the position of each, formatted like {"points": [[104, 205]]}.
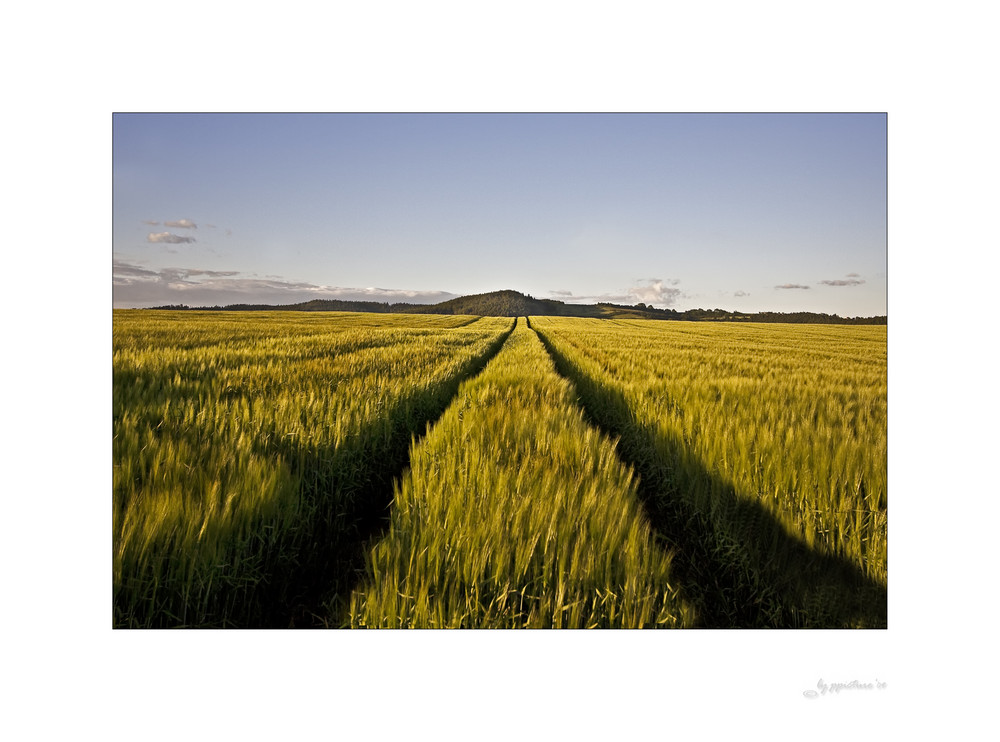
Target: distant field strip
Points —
{"points": [[251, 450], [515, 512], [768, 441]]}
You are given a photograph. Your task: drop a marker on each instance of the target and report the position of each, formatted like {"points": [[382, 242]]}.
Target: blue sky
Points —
{"points": [[753, 212]]}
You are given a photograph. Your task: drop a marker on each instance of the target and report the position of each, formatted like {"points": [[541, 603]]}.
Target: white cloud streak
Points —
{"points": [[842, 282], [182, 223], [167, 237]]}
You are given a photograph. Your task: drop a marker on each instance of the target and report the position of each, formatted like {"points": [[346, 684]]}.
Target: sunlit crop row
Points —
{"points": [[517, 513], [243, 442]]}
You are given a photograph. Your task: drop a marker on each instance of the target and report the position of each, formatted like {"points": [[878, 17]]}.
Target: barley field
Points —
{"points": [[333, 469], [772, 437], [517, 513], [250, 451]]}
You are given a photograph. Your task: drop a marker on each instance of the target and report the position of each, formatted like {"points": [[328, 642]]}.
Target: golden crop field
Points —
{"points": [[517, 513], [249, 450], [346, 469], [772, 437]]}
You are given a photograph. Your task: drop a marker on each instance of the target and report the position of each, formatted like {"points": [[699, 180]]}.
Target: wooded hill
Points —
{"points": [[515, 304]]}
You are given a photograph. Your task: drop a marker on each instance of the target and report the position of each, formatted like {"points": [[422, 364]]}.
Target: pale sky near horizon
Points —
{"points": [[750, 212]]}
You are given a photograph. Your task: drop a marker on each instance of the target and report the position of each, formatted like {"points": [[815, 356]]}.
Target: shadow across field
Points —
{"points": [[347, 493], [737, 565]]}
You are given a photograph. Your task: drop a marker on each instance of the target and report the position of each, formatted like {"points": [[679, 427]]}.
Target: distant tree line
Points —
{"points": [[724, 315], [515, 304], [315, 305]]}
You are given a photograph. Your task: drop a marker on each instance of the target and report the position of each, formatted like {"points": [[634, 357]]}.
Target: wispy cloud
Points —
{"points": [[389, 295], [125, 270], [182, 223], [571, 298], [173, 239], [150, 222], [791, 286], [741, 293], [844, 282], [135, 286]]}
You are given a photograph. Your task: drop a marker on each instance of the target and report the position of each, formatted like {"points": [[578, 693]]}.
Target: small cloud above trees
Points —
{"points": [[654, 292]]}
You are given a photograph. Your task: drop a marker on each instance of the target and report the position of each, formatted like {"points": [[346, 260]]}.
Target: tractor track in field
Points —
{"points": [[728, 589]]}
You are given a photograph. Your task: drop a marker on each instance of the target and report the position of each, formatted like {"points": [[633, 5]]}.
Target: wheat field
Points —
{"points": [[285, 469]]}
